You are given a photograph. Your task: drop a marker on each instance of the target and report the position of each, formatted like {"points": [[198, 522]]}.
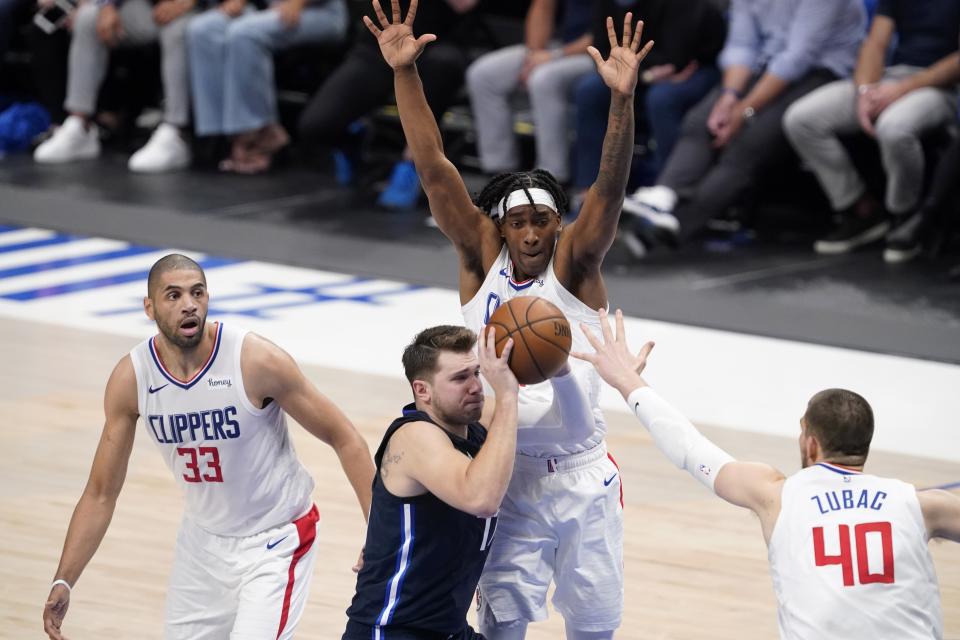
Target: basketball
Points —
{"points": [[541, 337]]}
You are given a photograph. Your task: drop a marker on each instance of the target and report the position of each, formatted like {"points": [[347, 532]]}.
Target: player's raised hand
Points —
{"points": [[496, 370], [395, 36], [619, 70], [54, 610], [613, 360]]}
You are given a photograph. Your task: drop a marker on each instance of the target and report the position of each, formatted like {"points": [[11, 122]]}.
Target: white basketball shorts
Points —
{"points": [[241, 588], [561, 520]]}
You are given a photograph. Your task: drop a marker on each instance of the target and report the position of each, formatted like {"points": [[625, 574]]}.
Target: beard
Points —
{"points": [[458, 415], [171, 333]]}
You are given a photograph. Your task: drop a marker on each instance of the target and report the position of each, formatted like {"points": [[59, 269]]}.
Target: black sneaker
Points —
{"points": [[640, 236], [854, 231], [906, 241]]}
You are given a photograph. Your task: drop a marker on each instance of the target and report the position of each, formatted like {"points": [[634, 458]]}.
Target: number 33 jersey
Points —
{"points": [[849, 559], [235, 462]]}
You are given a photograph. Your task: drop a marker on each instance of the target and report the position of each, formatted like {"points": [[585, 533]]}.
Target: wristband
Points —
{"points": [[736, 94], [63, 582]]}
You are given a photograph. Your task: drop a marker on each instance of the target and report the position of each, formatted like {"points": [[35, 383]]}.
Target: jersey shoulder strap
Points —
{"points": [[476, 433]]}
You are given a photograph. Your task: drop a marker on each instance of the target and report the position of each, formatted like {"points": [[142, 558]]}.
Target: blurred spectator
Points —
{"points": [[940, 211], [231, 70], [679, 71], [98, 28], [9, 10], [776, 51], [48, 64], [552, 58], [364, 82], [896, 104]]}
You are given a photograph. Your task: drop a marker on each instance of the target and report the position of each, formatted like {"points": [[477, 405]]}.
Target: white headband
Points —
{"points": [[519, 197]]}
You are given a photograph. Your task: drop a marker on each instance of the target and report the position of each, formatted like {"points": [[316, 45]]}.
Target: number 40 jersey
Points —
{"points": [[235, 462], [849, 559]]}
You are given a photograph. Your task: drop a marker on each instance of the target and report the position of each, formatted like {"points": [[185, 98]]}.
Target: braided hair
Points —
{"points": [[505, 183]]}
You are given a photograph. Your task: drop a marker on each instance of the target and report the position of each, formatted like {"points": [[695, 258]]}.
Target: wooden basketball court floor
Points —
{"points": [[695, 567]]}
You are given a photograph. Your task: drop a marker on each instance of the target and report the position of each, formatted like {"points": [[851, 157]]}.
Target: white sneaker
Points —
{"points": [[655, 205], [71, 141], [165, 151]]}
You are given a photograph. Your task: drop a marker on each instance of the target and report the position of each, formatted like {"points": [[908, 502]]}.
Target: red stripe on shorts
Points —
{"points": [[307, 531], [609, 455]]}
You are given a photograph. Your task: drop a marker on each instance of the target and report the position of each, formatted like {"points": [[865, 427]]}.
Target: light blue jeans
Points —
{"points": [[231, 62]]}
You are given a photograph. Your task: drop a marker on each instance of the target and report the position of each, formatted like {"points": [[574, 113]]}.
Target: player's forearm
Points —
{"points": [[488, 475], [617, 151], [419, 126], [358, 466], [567, 419], [677, 438], [88, 525]]}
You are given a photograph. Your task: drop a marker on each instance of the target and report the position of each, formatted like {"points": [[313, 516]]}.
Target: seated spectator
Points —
{"points": [[48, 65], [776, 51], [364, 82], [939, 211], [551, 59], [97, 28], [677, 74], [9, 13], [896, 104], [231, 71]]}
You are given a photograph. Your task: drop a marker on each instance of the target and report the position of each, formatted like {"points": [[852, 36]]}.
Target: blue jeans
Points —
{"points": [[663, 107], [231, 62]]}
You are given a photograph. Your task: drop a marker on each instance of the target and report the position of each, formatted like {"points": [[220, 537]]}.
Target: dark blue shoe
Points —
{"points": [[403, 191], [346, 159], [343, 167]]}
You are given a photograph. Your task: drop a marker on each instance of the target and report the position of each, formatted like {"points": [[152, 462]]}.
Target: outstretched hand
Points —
{"points": [[613, 360], [395, 36], [619, 70]]}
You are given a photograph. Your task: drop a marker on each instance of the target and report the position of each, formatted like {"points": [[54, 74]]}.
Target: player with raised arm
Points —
{"points": [[511, 241], [213, 398], [848, 550], [441, 478]]}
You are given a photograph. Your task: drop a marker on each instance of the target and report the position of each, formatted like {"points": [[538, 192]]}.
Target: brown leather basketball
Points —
{"points": [[541, 337]]}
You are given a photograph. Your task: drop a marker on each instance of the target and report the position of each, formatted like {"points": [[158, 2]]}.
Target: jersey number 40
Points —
{"points": [[883, 530]]}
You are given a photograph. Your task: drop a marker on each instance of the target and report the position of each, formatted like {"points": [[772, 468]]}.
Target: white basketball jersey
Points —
{"points": [[849, 559], [499, 287], [235, 462]]}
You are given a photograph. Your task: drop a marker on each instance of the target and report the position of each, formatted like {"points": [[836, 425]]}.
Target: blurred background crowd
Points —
{"points": [[836, 116]]}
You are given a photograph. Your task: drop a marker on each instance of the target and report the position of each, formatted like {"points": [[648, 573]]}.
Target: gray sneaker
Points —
{"points": [[906, 241]]}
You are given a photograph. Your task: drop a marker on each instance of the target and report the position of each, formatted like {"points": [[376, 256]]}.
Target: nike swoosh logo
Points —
{"points": [[152, 390], [607, 482], [271, 545]]}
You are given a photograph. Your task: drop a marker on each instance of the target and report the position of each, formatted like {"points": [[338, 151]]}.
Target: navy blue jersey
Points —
{"points": [[422, 557]]}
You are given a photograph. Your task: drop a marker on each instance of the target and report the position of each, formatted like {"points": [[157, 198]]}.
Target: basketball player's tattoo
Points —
{"points": [[389, 458], [617, 149]]}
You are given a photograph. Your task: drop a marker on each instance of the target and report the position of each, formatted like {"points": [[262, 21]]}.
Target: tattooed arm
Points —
{"points": [[597, 223]]}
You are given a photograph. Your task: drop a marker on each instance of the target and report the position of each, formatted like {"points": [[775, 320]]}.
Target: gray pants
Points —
{"points": [[89, 57], [494, 77], [814, 123]]}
